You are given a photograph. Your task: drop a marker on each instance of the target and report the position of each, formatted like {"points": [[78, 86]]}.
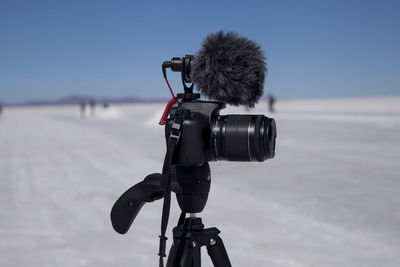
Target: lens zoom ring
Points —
{"points": [[236, 138]]}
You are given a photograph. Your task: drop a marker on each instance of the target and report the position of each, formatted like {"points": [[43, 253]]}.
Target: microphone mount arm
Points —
{"points": [[182, 65]]}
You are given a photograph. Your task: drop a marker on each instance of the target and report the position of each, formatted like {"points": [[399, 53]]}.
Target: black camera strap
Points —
{"points": [[168, 172]]}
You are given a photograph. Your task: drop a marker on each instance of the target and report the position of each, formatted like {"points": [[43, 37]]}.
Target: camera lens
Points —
{"points": [[243, 137]]}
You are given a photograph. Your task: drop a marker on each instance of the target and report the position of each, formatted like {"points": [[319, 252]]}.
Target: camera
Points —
{"points": [[209, 136]]}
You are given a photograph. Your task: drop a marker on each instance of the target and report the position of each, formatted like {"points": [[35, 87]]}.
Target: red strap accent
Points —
{"points": [[167, 109]]}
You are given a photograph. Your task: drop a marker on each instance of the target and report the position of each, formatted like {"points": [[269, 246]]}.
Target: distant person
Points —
{"points": [[82, 106], [1, 109], [105, 105], [92, 104], [271, 102]]}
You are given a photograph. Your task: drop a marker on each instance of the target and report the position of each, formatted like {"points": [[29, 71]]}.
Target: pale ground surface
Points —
{"points": [[330, 198]]}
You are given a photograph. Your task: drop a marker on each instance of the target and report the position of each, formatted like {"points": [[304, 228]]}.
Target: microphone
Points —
{"points": [[229, 68]]}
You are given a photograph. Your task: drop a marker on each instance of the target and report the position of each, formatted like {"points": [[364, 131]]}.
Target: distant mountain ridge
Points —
{"points": [[77, 99]]}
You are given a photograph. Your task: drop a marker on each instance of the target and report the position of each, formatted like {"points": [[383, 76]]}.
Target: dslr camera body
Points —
{"points": [[209, 136]]}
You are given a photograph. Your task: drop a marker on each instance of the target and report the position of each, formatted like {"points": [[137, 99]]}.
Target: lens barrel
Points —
{"points": [[243, 137]]}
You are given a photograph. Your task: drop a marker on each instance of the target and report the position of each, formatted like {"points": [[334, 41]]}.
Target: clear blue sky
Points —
{"points": [[50, 49]]}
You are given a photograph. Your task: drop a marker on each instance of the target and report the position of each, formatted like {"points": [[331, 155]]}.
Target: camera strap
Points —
{"points": [[167, 173]]}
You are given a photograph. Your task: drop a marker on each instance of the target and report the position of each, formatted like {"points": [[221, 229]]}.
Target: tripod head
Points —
{"points": [[191, 186]]}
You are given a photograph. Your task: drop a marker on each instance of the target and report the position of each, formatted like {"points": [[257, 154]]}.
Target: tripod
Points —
{"points": [[188, 240], [191, 185]]}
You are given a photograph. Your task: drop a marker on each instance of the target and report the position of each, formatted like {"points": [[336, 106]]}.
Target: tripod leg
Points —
{"points": [[196, 257], [191, 256], [171, 256], [218, 254], [179, 254], [187, 256]]}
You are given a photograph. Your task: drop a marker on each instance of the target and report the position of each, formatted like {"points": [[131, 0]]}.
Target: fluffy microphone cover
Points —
{"points": [[229, 68]]}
